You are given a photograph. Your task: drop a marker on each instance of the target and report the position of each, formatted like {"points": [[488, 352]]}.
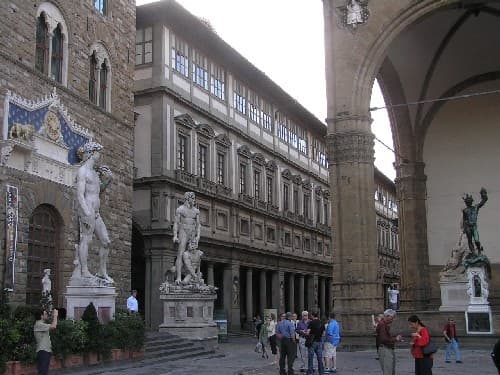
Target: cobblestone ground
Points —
{"points": [[237, 357]]}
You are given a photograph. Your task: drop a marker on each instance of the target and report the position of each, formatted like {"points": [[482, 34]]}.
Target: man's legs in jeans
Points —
{"points": [[42, 362], [291, 351], [303, 352], [319, 356], [456, 350], [283, 353]]}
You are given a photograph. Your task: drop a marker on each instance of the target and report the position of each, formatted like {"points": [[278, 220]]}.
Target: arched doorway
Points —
{"points": [[43, 252]]}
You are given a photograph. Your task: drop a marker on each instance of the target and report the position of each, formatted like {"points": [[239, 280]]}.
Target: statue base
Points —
{"points": [[188, 312], [454, 294], [478, 319], [79, 297], [478, 314]]}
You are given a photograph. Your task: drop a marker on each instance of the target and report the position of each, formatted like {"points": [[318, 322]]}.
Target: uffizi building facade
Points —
{"points": [[203, 119]]}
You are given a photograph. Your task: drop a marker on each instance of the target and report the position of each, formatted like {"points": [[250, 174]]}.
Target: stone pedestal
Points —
{"points": [[478, 314], [79, 297], [189, 314], [454, 295]]}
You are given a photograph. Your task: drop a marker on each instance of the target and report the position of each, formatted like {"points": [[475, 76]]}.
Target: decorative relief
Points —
{"points": [[223, 140], [244, 151], [52, 126], [185, 120], [205, 130], [350, 148], [258, 158], [271, 166], [353, 13]]}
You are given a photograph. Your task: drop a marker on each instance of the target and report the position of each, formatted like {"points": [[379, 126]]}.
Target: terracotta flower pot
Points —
{"points": [[91, 358], [73, 361], [17, 368]]}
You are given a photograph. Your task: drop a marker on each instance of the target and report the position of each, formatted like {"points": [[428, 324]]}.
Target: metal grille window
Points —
{"points": [[254, 105], [202, 160], [239, 98], [181, 152], [221, 168], [218, 82], [57, 55], [286, 198], [144, 46], [200, 69], [256, 181], [270, 188], [243, 178], [43, 251], [266, 117], [42, 44], [93, 79]]}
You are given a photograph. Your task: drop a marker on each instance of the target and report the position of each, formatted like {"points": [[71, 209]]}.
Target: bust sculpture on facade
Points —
{"points": [[91, 180]]}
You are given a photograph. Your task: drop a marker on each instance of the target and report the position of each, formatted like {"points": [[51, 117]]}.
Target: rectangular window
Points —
{"points": [[181, 152], [325, 212], [307, 203], [271, 234], [239, 98], [256, 182], [180, 56], [270, 188], [315, 149], [200, 69], [266, 117], [286, 198], [302, 141], [221, 168], [282, 127], [243, 178], [295, 201], [254, 106], [218, 82], [202, 160], [293, 135], [318, 211], [144, 46], [322, 158]]}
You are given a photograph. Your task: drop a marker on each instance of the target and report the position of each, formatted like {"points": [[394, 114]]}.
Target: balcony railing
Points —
{"points": [[185, 177], [224, 190], [207, 185]]}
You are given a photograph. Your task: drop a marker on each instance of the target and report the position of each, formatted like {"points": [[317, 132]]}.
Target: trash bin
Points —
{"points": [[221, 330]]}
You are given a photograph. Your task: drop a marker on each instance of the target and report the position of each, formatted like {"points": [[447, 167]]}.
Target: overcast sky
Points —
{"points": [[285, 40]]}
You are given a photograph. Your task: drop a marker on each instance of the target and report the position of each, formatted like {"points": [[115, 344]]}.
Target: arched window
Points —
{"points": [[51, 56], [57, 54], [43, 252], [42, 44], [103, 85], [100, 77]]}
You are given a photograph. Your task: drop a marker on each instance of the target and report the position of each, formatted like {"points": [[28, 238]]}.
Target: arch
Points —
{"points": [[44, 246], [54, 19]]}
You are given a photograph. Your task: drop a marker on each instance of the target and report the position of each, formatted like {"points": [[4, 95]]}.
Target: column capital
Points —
{"points": [[348, 147]]}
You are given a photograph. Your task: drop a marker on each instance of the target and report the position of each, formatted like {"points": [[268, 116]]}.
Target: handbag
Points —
{"points": [[258, 348], [430, 348]]}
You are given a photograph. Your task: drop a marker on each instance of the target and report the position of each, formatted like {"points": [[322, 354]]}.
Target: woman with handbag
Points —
{"points": [[420, 339]]}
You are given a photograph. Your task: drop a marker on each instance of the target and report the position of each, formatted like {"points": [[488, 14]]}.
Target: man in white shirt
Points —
{"points": [[132, 304], [393, 297]]}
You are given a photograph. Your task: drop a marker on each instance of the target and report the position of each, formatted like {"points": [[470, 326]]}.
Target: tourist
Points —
{"points": [[257, 324], [271, 334], [386, 343], [132, 304], [450, 335], [332, 340], [393, 295], [495, 355], [420, 338], [315, 331], [302, 326], [263, 338], [375, 322], [285, 330], [42, 338]]}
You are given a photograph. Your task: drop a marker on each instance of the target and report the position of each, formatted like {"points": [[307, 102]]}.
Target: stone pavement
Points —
{"points": [[237, 357]]}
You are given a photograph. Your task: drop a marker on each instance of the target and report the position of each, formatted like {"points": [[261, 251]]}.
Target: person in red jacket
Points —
{"points": [[419, 339]]}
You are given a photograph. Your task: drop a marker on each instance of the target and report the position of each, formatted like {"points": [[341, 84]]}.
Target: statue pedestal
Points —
{"points": [[79, 297], [478, 314], [188, 312], [454, 295]]}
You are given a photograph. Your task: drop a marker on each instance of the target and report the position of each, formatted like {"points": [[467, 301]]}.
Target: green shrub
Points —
{"points": [[69, 337], [128, 331], [23, 322]]}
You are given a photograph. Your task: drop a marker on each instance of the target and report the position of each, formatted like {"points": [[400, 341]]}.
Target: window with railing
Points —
{"points": [[200, 69], [239, 98], [144, 46], [180, 56], [218, 82]]}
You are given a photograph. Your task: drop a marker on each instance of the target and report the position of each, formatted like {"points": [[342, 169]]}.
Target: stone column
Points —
{"points": [[411, 190], [278, 279], [329, 302], [263, 292], [154, 277], [310, 293], [321, 288], [302, 305], [231, 292], [249, 296], [210, 273], [291, 292]]}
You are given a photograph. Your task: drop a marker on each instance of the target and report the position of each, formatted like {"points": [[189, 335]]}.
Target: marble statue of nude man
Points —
{"points": [[90, 181], [186, 229]]}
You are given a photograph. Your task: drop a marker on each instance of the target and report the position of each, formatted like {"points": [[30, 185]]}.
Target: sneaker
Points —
{"points": [[327, 369], [459, 361]]}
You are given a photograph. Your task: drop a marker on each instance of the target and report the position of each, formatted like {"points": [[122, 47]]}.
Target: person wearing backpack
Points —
{"points": [[419, 339]]}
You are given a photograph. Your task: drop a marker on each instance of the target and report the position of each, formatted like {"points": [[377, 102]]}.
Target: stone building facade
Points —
{"points": [[66, 78], [209, 121], [424, 54]]}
